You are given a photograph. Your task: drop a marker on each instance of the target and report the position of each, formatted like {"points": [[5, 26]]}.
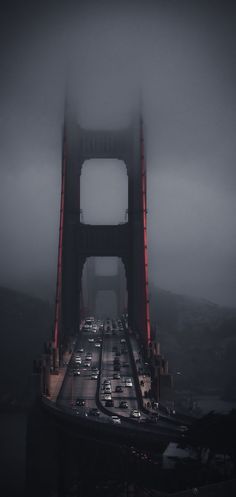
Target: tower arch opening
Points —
{"points": [[104, 287], [104, 192]]}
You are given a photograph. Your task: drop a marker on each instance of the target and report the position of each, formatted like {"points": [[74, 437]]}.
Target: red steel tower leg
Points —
{"points": [[144, 209], [56, 334]]}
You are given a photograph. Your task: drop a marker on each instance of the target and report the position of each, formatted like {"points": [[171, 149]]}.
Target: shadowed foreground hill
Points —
{"points": [[25, 324], [199, 339]]}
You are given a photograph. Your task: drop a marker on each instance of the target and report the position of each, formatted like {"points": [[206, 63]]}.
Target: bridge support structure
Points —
{"points": [[78, 241], [98, 282]]}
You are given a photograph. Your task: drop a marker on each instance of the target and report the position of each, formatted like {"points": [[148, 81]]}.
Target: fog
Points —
{"points": [[181, 54]]}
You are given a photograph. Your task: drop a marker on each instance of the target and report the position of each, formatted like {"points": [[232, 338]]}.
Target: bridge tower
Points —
{"points": [[78, 241], [98, 282]]}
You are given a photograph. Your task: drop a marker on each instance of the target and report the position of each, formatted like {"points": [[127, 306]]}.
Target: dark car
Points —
{"points": [[94, 412], [119, 388], [80, 402], [116, 367], [116, 376], [123, 404], [76, 372], [109, 403]]}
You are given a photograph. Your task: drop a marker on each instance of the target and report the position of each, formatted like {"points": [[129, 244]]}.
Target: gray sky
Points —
{"points": [[182, 53]]}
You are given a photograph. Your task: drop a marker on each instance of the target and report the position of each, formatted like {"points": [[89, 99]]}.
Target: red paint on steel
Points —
{"points": [[144, 209], [59, 260]]}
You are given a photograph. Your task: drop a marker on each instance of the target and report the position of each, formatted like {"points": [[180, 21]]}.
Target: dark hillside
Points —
{"points": [[199, 339], [25, 324]]}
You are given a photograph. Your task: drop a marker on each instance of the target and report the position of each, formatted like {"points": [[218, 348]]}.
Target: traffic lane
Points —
{"points": [[129, 393], [81, 386], [85, 386], [108, 371]]}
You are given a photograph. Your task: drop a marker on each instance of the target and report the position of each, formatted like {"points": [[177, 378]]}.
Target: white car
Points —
{"points": [[183, 428], [116, 420], [128, 383], [94, 376], [91, 340], [106, 383], [135, 413], [97, 344], [107, 396]]}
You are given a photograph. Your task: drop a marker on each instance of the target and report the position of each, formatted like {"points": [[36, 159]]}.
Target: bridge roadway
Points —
{"points": [[91, 391]]}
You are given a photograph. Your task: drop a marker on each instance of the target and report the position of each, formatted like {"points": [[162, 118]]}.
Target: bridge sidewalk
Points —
{"points": [[56, 380], [144, 379]]}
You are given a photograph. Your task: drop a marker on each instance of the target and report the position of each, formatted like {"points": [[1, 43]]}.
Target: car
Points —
{"points": [[115, 420], [122, 340], [80, 350], [90, 340], [95, 369], [78, 359], [77, 364], [107, 396], [109, 403], [94, 376], [87, 364], [107, 389], [106, 382], [76, 372], [123, 404], [116, 376], [94, 412], [135, 413], [183, 428], [86, 327], [117, 353], [97, 344], [80, 402], [88, 356], [114, 348], [128, 383], [119, 388], [116, 367]]}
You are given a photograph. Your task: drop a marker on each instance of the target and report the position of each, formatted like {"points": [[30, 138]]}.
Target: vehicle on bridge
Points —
{"points": [[135, 413], [115, 420]]}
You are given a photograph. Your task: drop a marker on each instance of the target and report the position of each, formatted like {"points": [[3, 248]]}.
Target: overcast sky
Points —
{"points": [[182, 54]]}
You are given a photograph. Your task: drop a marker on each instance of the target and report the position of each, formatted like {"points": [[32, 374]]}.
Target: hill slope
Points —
{"points": [[25, 324], [199, 339]]}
